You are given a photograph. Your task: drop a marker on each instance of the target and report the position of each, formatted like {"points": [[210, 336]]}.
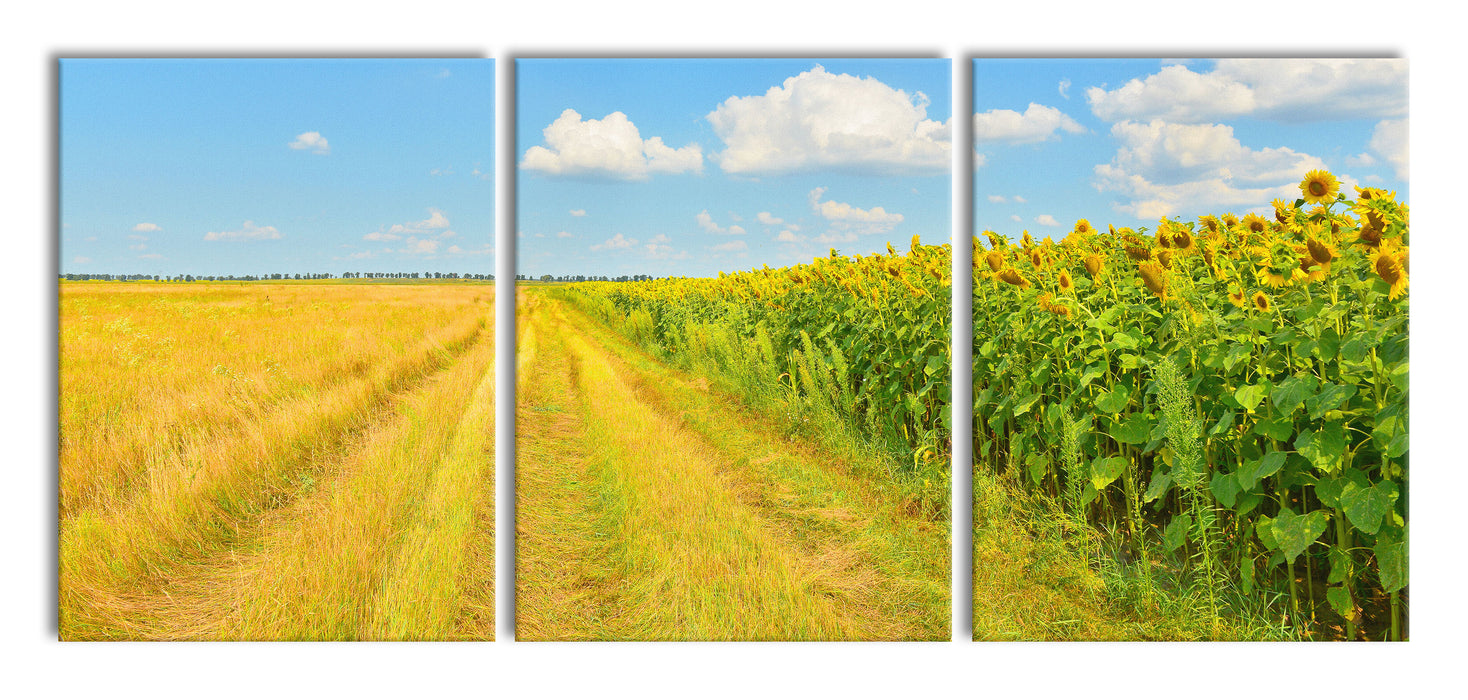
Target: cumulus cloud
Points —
{"points": [[1168, 169], [138, 246], [136, 237], [997, 199], [767, 219], [610, 148], [1286, 90], [1038, 123], [1046, 220], [1064, 86], [248, 232], [731, 246], [1019, 199], [788, 236], [846, 222], [147, 227], [707, 223], [578, 212], [616, 242], [821, 121], [312, 141], [659, 248], [1389, 141], [436, 226], [564, 234]]}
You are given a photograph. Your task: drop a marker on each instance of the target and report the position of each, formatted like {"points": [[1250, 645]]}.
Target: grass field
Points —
{"points": [[273, 461], [653, 505]]}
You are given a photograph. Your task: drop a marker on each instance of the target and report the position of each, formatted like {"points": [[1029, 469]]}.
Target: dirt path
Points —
{"points": [[651, 508]]}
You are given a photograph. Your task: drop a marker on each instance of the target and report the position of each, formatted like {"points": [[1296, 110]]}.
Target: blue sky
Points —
{"points": [[692, 167], [1128, 141], [238, 167]]}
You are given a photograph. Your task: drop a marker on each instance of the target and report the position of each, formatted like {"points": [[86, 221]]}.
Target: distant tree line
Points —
{"points": [[585, 278], [75, 276]]}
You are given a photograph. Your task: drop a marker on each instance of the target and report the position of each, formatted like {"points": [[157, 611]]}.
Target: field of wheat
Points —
{"points": [[276, 461]]}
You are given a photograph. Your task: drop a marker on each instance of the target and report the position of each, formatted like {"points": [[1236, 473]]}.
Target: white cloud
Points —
{"points": [[248, 232], [707, 223], [1046, 220], [312, 141], [616, 242], [997, 199], [1192, 169], [564, 234], [1016, 218], [731, 246], [767, 219], [147, 227], [578, 212], [1064, 86], [1287, 90], [1020, 199], [1038, 123], [658, 248], [1389, 141], [419, 246], [847, 222], [979, 160], [788, 236], [818, 120], [610, 147], [441, 171], [136, 237], [436, 225], [138, 246], [81, 260]]}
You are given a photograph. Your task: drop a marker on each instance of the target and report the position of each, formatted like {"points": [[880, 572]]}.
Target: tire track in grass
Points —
{"points": [[693, 553], [332, 563], [880, 564], [562, 581], [110, 556]]}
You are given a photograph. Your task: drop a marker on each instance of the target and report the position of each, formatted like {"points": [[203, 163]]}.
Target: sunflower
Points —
{"points": [[1027, 240], [1319, 186], [1369, 235], [1230, 220], [890, 249], [1367, 193], [1209, 223], [1182, 240], [1319, 250], [1237, 297], [1390, 270], [1065, 282], [1060, 310], [1084, 228], [1155, 277], [1138, 253], [1012, 276], [1036, 259], [1402, 258], [995, 259], [1164, 235], [1255, 224], [1165, 258], [1261, 302], [1284, 210], [1094, 265], [995, 240], [912, 247]]}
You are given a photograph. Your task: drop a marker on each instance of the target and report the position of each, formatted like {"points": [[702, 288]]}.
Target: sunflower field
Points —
{"points": [[1234, 390], [861, 342]]}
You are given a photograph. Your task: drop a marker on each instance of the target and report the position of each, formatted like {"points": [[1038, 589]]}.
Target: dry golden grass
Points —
{"points": [[209, 429], [636, 523]]}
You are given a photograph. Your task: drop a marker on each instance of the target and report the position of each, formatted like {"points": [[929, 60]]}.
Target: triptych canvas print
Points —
{"points": [[752, 349]]}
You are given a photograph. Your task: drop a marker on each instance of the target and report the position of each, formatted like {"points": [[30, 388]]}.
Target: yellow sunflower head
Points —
{"points": [[915, 244], [1320, 251], [995, 259], [1084, 228], [1012, 276], [890, 249], [1154, 276], [1164, 235], [1261, 302], [1284, 210], [1230, 220], [1237, 297], [1164, 257], [1138, 253], [1036, 258], [1065, 282], [1094, 265], [1255, 224], [995, 240], [1209, 223], [1182, 240], [1390, 270], [1319, 186]]}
